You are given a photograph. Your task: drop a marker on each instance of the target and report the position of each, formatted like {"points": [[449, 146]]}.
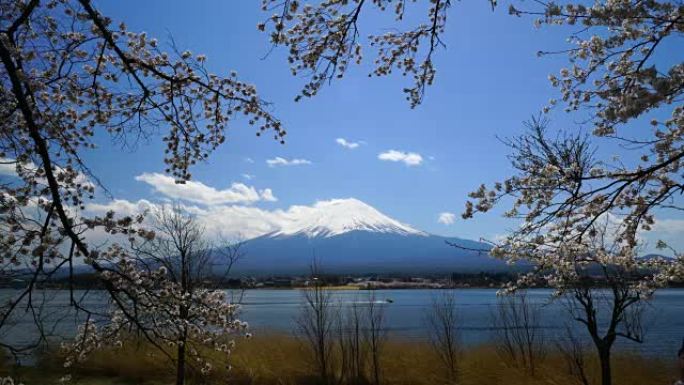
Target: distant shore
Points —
{"points": [[455, 280]]}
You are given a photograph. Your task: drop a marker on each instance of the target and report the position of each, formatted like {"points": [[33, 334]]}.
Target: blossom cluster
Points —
{"points": [[165, 314], [323, 40]]}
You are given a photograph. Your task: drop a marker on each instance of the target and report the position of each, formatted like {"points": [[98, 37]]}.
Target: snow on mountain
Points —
{"points": [[349, 236], [338, 216]]}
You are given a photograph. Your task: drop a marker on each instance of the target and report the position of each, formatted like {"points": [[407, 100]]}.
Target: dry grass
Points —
{"points": [[282, 360]]}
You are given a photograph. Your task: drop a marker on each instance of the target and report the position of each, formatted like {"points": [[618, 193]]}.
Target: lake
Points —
{"points": [[405, 316], [277, 310]]}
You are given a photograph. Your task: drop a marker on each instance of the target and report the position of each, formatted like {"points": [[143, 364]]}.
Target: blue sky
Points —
{"points": [[489, 80]]}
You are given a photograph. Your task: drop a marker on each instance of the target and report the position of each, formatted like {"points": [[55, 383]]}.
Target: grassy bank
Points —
{"points": [[283, 360]]}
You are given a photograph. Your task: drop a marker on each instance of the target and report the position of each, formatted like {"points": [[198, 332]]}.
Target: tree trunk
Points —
{"points": [[180, 365], [322, 351], [604, 359], [376, 367]]}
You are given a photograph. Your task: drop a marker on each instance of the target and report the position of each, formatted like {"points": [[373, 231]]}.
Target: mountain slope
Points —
{"points": [[364, 252], [349, 236]]}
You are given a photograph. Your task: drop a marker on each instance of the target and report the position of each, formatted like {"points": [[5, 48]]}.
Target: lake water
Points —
{"points": [[405, 316], [277, 310]]}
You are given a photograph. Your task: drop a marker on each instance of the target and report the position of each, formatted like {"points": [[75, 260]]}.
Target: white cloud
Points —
{"points": [[409, 158], [344, 143], [120, 207], [249, 160], [198, 192], [232, 221], [278, 161], [248, 176], [229, 221], [267, 195], [446, 218]]}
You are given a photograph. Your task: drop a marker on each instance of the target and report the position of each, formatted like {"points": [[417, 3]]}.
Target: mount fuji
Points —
{"points": [[349, 236]]}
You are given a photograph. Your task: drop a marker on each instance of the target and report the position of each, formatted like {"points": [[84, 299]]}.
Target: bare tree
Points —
{"points": [[519, 338], [317, 321], [574, 354], [375, 334], [606, 295], [343, 348], [608, 313], [358, 350], [228, 254], [443, 321], [352, 349]]}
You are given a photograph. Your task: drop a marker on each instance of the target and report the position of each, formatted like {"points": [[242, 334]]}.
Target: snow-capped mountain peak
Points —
{"points": [[339, 216]]}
